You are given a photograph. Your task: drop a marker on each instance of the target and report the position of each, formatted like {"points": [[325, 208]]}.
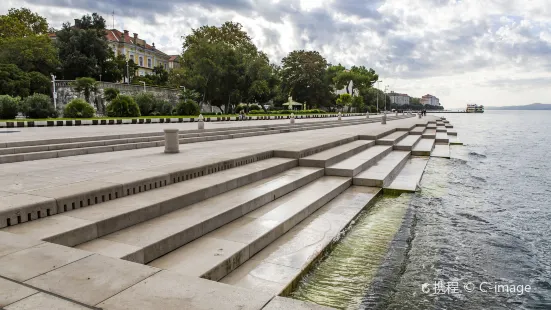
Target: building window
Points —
{"points": [[131, 57], [149, 62], [141, 61]]}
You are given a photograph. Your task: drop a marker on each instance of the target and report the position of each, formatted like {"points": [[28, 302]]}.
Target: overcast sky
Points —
{"points": [[492, 52]]}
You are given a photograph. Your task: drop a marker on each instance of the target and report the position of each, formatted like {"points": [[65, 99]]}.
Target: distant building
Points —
{"points": [[144, 55], [350, 89], [430, 100], [398, 99], [174, 62]]}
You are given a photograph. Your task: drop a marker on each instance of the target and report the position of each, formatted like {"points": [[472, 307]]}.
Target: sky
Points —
{"points": [[491, 52]]}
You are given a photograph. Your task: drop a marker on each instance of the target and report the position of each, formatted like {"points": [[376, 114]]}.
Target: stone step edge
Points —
{"points": [[115, 191], [158, 248]]}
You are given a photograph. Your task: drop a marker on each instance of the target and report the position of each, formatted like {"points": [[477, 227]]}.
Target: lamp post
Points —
{"points": [[127, 73], [378, 86], [54, 94], [386, 90]]}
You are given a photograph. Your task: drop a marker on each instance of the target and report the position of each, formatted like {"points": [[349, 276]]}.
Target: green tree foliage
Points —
{"points": [[344, 100], [20, 23], [38, 106], [85, 86], [146, 103], [162, 108], [224, 65], [358, 103], [304, 76], [187, 107], [110, 93], [78, 108], [123, 106], [83, 48], [39, 83], [31, 53], [13, 81], [370, 98], [9, 106]]}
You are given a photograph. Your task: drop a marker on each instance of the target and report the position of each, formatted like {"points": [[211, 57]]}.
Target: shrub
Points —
{"points": [[187, 108], [39, 106], [123, 106], [146, 102], [8, 106], [240, 107], [78, 108], [111, 93], [255, 107], [257, 112], [162, 108]]}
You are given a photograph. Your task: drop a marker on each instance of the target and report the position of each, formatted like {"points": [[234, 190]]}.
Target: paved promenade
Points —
{"points": [[95, 231]]}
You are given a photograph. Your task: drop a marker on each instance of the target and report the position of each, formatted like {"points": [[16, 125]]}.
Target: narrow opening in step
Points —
{"points": [[8, 222], [96, 200], [48, 212], [73, 206], [64, 209], [19, 219], [88, 202], [38, 213], [81, 203], [109, 196]]}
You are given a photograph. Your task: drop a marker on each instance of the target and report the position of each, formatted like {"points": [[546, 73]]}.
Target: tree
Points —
{"points": [[110, 93], [303, 76], [188, 107], [39, 83], [83, 48], [13, 81], [224, 65], [20, 23], [358, 103], [344, 100], [31, 53], [86, 86], [146, 103], [160, 75]]}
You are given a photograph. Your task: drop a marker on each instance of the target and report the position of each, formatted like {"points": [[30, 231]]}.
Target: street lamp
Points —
{"points": [[54, 92], [378, 86], [127, 73], [386, 90]]}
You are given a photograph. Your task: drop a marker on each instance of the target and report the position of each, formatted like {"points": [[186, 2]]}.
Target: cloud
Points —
{"points": [[420, 46]]}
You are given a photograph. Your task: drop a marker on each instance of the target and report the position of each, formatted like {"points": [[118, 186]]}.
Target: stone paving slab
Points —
{"points": [[359, 162], [334, 155], [169, 291], [93, 279], [11, 292], [11, 243], [31, 262], [392, 138], [407, 143], [45, 301]]}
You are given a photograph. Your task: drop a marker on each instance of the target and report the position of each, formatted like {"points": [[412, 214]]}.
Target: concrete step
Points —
{"points": [[409, 177], [114, 146], [392, 138], [158, 236], [31, 205], [448, 126], [334, 155], [84, 224], [441, 150], [429, 134], [423, 147], [418, 130], [384, 171], [359, 162], [452, 133], [441, 129], [277, 268], [454, 140], [407, 143], [442, 137], [431, 126], [216, 254]]}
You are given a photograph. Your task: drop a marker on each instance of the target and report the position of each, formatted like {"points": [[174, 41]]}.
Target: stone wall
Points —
{"points": [[65, 93]]}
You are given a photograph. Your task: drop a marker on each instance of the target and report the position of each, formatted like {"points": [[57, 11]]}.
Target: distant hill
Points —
{"points": [[533, 106]]}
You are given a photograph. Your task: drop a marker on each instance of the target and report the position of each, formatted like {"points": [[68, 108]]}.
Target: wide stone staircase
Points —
{"points": [[63, 147], [256, 222]]}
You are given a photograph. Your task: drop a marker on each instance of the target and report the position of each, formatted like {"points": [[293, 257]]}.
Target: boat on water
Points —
{"points": [[475, 108]]}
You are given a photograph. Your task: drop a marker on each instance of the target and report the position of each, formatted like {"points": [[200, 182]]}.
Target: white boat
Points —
{"points": [[475, 108]]}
